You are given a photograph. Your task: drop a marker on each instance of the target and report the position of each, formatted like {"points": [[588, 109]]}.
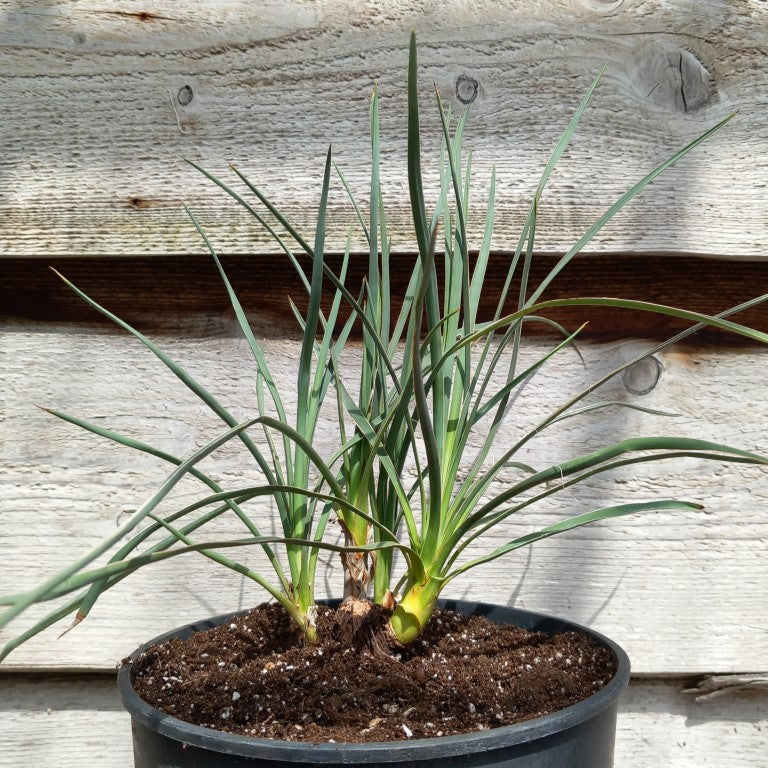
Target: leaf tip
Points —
{"points": [[79, 616]]}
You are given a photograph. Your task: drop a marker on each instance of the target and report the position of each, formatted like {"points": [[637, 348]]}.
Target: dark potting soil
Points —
{"points": [[255, 676]]}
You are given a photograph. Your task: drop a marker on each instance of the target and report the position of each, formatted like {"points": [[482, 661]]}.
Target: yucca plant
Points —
{"points": [[432, 375]]}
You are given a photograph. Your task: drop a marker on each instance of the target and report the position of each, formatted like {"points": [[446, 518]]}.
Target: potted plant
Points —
{"points": [[412, 483]]}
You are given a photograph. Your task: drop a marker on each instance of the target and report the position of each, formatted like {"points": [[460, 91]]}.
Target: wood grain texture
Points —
{"points": [[660, 725], [101, 101], [684, 593], [71, 722]]}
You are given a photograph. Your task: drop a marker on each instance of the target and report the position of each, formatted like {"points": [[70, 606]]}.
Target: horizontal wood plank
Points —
{"points": [[173, 294], [684, 592], [100, 104], [71, 722]]}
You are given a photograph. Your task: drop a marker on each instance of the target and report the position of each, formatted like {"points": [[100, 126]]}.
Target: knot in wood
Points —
{"points": [[668, 77], [603, 7]]}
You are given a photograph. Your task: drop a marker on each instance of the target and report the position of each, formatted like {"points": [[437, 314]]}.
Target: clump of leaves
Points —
{"points": [[431, 376]]}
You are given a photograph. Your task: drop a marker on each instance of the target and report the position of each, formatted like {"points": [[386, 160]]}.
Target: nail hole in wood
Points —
{"points": [[185, 95], [466, 89]]}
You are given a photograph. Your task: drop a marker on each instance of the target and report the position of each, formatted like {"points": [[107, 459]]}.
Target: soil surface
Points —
{"points": [[257, 677]]}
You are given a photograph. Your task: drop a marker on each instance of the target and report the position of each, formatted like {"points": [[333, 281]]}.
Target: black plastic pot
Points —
{"points": [[580, 736]]}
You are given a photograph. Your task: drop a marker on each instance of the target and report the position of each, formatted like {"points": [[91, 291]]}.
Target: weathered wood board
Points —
{"points": [[101, 102], [684, 592], [68, 723]]}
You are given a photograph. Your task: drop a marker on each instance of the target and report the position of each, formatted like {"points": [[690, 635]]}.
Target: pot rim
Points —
{"points": [[385, 751]]}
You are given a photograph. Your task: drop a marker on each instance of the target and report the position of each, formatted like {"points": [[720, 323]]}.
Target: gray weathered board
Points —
{"points": [[99, 103], [101, 100]]}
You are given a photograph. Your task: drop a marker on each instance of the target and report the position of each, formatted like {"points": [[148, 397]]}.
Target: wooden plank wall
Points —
{"points": [[101, 101]]}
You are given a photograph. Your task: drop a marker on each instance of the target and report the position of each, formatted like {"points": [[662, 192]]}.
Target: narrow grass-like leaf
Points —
{"points": [[576, 522], [80, 579], [353, 200], [187, 379], [631, 445], [262, 221], [140, 514], [633, 192]]}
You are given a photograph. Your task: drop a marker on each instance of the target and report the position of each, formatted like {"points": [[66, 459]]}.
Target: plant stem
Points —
{"points": [[415, 609]]}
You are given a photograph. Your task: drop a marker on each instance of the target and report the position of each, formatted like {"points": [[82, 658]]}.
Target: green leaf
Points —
{"points": [[576, 522], [173, 478], [633, 192]]}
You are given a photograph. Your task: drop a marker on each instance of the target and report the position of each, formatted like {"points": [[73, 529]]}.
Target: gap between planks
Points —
{"points": [[179, 294]]}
